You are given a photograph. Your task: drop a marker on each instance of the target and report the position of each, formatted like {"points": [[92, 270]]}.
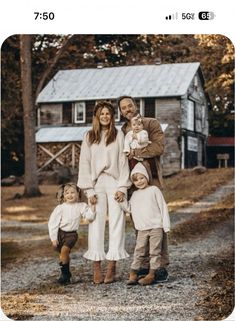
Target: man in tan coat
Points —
{"points": [[151, 155]]}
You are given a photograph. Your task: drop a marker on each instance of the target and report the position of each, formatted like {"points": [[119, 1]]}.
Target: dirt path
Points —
{"points": [[192, 264]]}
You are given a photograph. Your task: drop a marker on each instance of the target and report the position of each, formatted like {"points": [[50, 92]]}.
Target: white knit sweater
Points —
{"points": [[148, 209], [96, 159], [67, 217]]}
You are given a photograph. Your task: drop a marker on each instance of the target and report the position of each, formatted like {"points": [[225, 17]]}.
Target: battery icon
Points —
{"points": [[206, 15]]}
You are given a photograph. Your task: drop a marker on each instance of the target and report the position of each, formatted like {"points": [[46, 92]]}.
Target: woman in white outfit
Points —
{"points": [[104, 177]]}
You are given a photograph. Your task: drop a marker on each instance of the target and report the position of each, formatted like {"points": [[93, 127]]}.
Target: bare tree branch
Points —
{"points": [[52, 64]]}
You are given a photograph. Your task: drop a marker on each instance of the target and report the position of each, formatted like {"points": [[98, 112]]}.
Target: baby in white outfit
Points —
{"points": [[137, 137]]}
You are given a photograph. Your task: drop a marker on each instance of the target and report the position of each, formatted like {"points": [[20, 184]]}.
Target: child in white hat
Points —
{"points": [[150, 216]]}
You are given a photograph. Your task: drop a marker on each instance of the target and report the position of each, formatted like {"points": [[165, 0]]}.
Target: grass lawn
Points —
{"points": [[180, 190], [187, 187]]}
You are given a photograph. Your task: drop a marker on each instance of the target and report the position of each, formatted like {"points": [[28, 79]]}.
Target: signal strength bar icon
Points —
{"points": [[173, 16]]}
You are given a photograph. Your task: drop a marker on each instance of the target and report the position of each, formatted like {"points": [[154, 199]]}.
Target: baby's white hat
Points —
{"points": [[140, 168]]}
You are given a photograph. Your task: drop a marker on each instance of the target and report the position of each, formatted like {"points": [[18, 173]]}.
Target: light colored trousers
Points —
{"points": [[152, 240], [105, 189], [164, 253]]}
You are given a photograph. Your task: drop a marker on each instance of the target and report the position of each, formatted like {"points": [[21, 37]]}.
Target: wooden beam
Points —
{"points": [[53, 157], [73, 156]]}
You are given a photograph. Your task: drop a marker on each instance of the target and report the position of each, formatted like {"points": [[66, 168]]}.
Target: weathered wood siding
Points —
{"points": [[90, 104], [67, 113], [149, 107], [194, 124], [168, 112], [194, 108]]}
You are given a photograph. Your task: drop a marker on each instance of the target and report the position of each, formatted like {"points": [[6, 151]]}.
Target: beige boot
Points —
{"points": [[133, 278], [149, 279], [97, 274], [111, 271]]}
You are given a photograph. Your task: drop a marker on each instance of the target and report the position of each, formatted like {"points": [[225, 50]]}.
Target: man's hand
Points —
{"points": [[131, 154], [119, 196]]}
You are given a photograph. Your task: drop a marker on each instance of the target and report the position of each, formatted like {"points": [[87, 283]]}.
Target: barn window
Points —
{"points": [[198, 118], [190, 115], [51, 114], [80, 112]]}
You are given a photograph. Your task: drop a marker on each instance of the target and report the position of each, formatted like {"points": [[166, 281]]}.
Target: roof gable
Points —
{"points": [[164, 80]]}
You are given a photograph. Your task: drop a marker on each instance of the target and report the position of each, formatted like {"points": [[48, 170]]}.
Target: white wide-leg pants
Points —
{"points": [[105, 189]]}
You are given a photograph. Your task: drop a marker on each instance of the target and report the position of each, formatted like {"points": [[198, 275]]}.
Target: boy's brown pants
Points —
{"points": [[151, 240]]}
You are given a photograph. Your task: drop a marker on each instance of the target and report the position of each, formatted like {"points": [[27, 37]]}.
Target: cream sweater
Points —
{"points": [[67, 217], [96, 159], [148, 209]]}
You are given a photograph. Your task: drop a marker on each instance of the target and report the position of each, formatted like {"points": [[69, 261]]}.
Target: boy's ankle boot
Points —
{"points": [[97, 273], [65, 274], [148, 279], [111, 271], [133, 278]]}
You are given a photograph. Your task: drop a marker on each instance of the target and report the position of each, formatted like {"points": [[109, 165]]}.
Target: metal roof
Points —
{"points": [[66, 134], [60, 134], [164, 80]]}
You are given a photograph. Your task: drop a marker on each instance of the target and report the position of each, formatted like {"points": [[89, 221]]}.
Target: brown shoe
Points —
{"points": [[133, 278], [97, 274], [148, 279], [111, 271]]}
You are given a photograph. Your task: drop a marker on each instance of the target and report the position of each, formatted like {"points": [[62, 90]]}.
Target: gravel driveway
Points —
{"points": [[191, 266]]}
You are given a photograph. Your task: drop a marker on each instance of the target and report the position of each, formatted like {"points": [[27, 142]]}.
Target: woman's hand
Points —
{"points": [[93, 208], [119, 196], [54, 243], [93, 200]]}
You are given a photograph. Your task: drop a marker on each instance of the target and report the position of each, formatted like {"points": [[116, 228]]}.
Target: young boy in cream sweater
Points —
{"points": [[150, 216]]}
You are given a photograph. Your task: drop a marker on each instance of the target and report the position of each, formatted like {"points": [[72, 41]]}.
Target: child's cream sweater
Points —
{"points": [[67, 217], [148, 209]]}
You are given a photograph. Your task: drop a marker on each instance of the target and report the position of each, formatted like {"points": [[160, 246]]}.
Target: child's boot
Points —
{"points": [[161, 275], [111, 271], [133, 278], [148, 279], [65, 274], [97, 274], [142, 272]]}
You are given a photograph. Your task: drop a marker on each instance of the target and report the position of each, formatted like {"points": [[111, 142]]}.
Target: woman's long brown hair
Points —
{"points": [[94, 135]]}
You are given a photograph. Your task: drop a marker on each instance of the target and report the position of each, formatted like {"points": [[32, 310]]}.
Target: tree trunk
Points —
{"points": [[30, 173]]}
